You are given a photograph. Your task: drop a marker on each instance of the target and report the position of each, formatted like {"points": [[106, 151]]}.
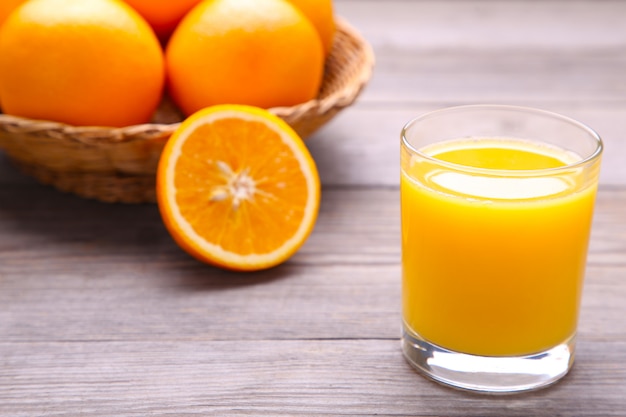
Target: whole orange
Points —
{"points": [[6, 7], [321, 14], [163, 15], [80, 62], [263, 53]]}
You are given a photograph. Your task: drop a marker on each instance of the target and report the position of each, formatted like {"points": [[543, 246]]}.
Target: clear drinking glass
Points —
{"points": [[497, 203]]}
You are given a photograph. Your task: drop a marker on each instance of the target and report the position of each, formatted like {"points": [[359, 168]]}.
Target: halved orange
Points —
{"points": [[237, 188]]}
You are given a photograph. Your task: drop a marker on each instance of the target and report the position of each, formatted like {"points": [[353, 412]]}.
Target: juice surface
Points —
{"points": [[493, 266]]}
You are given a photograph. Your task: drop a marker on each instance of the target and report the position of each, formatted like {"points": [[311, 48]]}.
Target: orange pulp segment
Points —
{"points": [[237, 188]]}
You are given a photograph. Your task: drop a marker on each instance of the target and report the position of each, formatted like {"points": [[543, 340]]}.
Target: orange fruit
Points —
{"points": [[80, 62], [263, 53], [237, 188], [321, 14], [163, 15], [6, 7]]}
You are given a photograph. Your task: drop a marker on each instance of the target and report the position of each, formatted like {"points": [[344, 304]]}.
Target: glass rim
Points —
{"points": [[508, 172]]}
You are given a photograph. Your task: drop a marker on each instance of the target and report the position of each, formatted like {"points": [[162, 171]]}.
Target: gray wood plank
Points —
{"points": [[65, 277], [450, 51], [294, 378], [567, 57], [501, 76], [362, 146], [102, 314], [488, 24]]}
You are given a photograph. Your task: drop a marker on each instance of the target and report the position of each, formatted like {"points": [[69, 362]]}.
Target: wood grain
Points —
{"points": [[291, 378], [368, 137], [101, 314], [100, 320], [563, 56]]}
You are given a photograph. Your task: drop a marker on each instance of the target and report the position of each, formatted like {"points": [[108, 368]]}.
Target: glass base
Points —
{"points": [[488, 374]]}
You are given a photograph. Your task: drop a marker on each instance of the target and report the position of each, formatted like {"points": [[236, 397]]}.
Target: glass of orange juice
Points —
{"points": [[497, 204]]}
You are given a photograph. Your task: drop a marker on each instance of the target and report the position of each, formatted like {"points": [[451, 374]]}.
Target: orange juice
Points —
{"points": [[493, 265]]}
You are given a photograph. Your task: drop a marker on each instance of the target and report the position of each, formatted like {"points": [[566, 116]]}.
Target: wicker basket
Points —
{"points": [[119, 165]]}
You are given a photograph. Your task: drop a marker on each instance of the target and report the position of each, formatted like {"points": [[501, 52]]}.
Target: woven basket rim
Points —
{"points": [[103, 135]]}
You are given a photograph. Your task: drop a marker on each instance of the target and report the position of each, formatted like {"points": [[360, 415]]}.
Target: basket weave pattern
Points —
{"points": [[119, 164]]}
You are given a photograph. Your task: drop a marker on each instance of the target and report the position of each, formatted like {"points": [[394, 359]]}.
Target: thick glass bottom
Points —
{"points": [[488, 374]]}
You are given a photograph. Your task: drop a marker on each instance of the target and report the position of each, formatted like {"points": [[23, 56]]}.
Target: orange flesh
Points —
{"points": [[270, 177]]}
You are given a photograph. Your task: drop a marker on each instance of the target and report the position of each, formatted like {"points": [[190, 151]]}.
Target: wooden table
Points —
{"points": [[101, 314]]}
